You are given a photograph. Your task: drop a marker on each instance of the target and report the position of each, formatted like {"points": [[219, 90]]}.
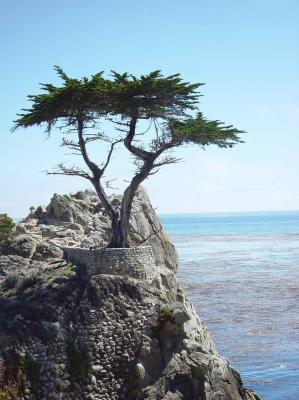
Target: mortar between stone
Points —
{"points": [[135, 262]]}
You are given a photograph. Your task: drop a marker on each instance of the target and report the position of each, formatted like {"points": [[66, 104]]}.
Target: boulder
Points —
{"points": [[47, 250], [146, 229], [12, 264], [80, 220], [23, 245]]}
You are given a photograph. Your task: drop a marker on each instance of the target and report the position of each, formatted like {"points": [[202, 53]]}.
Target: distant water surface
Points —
{"points": [[241, 272]]}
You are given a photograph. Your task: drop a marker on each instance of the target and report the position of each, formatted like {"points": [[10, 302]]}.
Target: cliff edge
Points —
{"points": [[76, 325]]}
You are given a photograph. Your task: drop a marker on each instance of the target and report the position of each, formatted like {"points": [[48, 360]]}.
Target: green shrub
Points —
{"points": [[166, 314], [7, 226]]}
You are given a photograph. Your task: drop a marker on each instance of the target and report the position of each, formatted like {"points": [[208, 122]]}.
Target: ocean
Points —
{"points": [[241, 272]]}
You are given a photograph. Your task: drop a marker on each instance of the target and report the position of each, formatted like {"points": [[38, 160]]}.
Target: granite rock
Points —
{"points": [[47, 250], [79, 220], [23, 245], [106, 336]]}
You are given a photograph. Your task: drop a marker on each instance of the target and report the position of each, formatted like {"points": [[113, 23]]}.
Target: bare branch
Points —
{"points": [[94, 168], [166, 161], [113, 144], [73, 154], [154, 172], [70, 144], [94, 137], [149, 127], [61, 169], [108, 184]]}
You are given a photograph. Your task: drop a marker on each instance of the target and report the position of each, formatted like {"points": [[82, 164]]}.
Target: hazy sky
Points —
{"points": [[247, 53]]}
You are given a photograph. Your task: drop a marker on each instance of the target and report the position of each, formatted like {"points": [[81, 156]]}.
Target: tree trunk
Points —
{"points": [[115, 227], [121, 217], [125, 213], [127, 201], [113, 212], [97, 173]]}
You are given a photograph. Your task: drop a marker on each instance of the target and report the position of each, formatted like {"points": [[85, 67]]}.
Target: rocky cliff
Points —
{"points": [[69, 335]]}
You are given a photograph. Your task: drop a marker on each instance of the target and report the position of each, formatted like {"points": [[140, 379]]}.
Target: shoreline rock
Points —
{"points": [[107, 336]]}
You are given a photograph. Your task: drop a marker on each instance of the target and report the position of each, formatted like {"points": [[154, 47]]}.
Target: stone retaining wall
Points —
{"points": [[136, 262]]}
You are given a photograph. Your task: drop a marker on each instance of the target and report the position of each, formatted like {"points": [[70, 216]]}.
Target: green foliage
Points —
{"points": [[166, 314], [158, 325], [7, 226], [200, 131], [69, 270], [153, 95], [75, 97], [79, 361], [166, 104], [150, 96]]}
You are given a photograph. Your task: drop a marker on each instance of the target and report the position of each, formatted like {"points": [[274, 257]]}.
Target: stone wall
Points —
{"points": [[135, 262]]}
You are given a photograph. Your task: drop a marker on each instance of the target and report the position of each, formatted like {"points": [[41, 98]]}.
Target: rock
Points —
{"points": [[23, 246], [146, 228], [39, 213], [61, 279], [80, 195], [47, 250], [169, 282], [173, 396], [93, 380], [12, 263], [79, 220], [109, 336], [97, 368], [21, 229], [60, 208], [250, 395], [62, 385]]}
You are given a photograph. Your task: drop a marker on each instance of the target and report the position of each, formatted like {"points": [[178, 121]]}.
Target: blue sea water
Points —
{"points": [[241, 272]]}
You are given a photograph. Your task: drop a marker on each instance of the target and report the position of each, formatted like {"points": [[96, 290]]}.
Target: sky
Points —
{"points": [[246, 53]]}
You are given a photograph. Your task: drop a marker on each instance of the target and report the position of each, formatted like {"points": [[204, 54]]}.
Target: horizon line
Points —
{"points": [[228, 212], [209, 212]]}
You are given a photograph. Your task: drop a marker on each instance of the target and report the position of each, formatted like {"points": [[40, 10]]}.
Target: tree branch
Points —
{"points": [[166, 161], [70, 144], [137, 151], [97, 172], [113, 144], [70, 171]]}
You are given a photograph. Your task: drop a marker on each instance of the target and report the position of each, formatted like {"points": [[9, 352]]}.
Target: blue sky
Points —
{"points": [[247, 53]]}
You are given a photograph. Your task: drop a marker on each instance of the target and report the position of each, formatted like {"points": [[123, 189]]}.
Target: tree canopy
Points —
{"points": [[167, 104]]}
